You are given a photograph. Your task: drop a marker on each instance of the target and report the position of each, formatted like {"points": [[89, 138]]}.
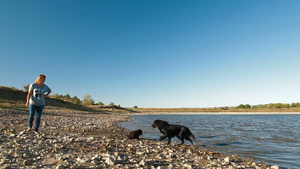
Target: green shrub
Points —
{"points": [[241, 106]]}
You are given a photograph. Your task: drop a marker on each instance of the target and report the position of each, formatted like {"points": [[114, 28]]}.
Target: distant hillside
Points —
{"points": [[15, 99], [12, 98], [12, 94]]}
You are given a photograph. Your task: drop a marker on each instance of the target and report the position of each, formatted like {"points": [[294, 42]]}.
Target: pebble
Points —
{"points": [[274, 167], [227, 159], [28, 162], [60, 167]]}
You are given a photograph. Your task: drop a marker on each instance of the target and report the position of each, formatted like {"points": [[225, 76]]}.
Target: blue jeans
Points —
{"points": [[32, 110]]}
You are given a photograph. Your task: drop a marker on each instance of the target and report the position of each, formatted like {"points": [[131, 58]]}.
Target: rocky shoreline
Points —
{"points": [[76, 139]]}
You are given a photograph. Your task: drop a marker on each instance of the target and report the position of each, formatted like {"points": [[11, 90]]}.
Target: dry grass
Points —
{"points": [[11, 98]]}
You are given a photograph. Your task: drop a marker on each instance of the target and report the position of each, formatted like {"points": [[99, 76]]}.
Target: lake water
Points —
{"points": [[274, 139]]}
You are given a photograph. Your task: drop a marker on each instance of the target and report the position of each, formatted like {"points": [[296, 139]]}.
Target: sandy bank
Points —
{"points": [[211, 113]]}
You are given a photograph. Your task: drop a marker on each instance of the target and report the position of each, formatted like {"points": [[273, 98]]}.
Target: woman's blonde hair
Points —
{"points": [[38, 79]]}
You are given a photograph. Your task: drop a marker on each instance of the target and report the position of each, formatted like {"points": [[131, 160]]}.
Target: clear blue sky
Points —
{"points": [[155, 53]]}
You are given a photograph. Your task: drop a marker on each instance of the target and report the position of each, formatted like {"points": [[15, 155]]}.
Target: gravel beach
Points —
{"points": [[78, 139]]}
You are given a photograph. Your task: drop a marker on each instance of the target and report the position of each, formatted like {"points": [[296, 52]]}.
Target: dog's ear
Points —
{"points": [[164, 123], [156, 121], [159, 121], [140, 132]]}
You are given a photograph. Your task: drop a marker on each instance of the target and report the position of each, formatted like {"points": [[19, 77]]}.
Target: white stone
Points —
{"points": [[96, 157], [188, 166], [227, 159], [142, 163], [275, 167], [110, 160], [83, 160], [72, 140]]}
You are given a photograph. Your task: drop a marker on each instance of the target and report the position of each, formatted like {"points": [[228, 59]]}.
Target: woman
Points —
{"points": [[36, 100]]}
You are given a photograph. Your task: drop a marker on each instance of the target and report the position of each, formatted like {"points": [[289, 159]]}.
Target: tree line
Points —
{"points": [[270, 105], [87, 99]]}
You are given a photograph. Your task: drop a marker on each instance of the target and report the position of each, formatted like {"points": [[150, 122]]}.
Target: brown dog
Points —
{"points": [[135, 134]]}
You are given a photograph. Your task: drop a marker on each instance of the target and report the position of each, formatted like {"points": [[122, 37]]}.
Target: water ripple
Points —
{"points": [[270, 138]]}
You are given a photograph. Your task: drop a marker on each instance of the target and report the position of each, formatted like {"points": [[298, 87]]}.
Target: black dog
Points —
{"points": [[171, 130], [135, 134]]}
